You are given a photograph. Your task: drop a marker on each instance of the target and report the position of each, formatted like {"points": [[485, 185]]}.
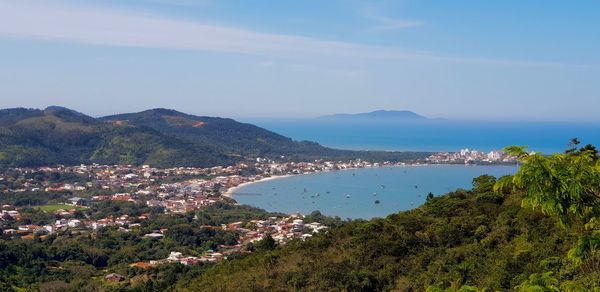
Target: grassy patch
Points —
{"points": [[56, 207]]}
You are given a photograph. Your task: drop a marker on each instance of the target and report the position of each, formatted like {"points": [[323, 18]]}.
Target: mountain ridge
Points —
{"points": [[160, 137]]}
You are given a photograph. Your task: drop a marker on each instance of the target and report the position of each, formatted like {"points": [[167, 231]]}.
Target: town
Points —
{"points": [[468, 156], [175, 190], [87, 199]]}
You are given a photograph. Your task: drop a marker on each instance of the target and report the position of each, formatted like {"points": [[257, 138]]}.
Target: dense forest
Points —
{"points": [[159, 137]]}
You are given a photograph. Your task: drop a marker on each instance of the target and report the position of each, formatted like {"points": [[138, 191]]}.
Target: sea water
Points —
{"points": [[436, 135], [362, 193]]}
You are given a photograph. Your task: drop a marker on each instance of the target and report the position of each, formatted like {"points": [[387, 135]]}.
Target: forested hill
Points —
{"points": [[159, 137], [231, 136]]}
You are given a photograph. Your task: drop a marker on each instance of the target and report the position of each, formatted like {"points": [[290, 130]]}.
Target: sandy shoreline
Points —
{"points": [[231, 191]]}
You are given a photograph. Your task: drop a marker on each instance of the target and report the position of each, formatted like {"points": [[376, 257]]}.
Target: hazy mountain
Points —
{"points": [[159, 137], [379, 115]]}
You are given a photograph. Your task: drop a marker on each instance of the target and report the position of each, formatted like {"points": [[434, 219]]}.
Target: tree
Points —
{"points": [[563, 185], [539, 282], [267, 243], [430, 196], [588, 246], [566, 186], [591, 149], [573, 144], [484, 183]]}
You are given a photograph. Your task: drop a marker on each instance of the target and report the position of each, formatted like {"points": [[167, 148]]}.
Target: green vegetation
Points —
{"points": [[535, 231], [55, 207], [160, 137]]}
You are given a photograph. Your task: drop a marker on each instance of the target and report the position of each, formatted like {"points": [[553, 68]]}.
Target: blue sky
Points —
{"points": [[531, 60]]}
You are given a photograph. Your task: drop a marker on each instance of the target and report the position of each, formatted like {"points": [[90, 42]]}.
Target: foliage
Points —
{"points": [[539, 282], [265, 244], [563, 185], [566, 186]]}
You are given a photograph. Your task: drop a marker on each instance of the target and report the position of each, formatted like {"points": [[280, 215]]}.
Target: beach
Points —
{"points": [[231, 191]]}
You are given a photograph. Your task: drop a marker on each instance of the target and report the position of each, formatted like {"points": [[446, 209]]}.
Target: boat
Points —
{"points": [[377, 202], [347, 196]]}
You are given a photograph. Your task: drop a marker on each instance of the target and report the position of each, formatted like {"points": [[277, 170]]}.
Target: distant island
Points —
{"points": [[378, 115]]}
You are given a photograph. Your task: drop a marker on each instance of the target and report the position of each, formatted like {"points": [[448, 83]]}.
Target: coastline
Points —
{"points": [[231, 191]]}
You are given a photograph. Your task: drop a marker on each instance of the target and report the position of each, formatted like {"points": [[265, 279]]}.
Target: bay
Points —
{"points": [[353, 193]]}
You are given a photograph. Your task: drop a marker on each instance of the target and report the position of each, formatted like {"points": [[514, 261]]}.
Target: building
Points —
{"points": [[114, 277]]}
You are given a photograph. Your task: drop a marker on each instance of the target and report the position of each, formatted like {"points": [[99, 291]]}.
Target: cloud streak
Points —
{"points": [[109, 27]]}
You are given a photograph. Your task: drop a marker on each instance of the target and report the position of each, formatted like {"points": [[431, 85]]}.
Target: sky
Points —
{"points": [[503, 60]]}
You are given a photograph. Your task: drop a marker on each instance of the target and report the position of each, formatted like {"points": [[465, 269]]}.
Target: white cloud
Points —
{"points": [[125, 28], [110, 27]]}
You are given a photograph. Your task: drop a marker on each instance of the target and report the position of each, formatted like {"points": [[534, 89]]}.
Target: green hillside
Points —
{"points": [[243, 139], [159, 137], [30, 137]]}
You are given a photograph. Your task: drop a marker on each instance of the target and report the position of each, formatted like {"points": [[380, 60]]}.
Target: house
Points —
{"points": [[10, 231], [74, 223], [174, 256], [188, 261], [114, 277], [77, 201], [154, 235], [29, 228]]}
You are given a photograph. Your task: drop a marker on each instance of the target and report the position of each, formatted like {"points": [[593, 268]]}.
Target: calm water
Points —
{"points": [[436, 135], [397, 188]]}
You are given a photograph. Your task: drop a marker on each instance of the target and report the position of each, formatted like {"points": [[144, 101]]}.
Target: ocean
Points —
{"points": [[404, 187], [353, 193], [436, 135]]}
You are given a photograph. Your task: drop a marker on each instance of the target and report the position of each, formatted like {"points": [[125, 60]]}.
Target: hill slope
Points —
{"points": [[31, 137], [232, 136], [160, 137]]}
